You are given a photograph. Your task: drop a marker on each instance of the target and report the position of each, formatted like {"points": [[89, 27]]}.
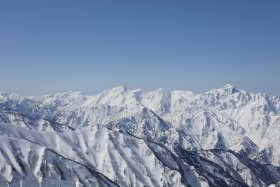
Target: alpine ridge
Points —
{"points": [[124, 137]]}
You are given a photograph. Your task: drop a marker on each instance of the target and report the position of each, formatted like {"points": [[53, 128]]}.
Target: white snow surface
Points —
{"points": [[137, 138]]}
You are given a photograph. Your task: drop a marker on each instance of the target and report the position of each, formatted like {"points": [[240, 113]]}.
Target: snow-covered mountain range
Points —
{"points": [[123, 137]]}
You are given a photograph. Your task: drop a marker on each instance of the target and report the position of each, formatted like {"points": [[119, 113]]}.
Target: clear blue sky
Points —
{"points": [[51, 46]]}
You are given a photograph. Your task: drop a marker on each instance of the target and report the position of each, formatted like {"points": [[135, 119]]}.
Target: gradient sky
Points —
{"points": [[50, 46]]}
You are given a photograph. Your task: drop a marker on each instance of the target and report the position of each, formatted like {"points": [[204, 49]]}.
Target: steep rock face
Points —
{"points": [[241, 124]]}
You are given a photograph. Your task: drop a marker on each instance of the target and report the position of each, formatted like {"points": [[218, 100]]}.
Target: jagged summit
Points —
{"points": [[229, 86], [226, 89], [126, 137], [11, 95], [115, 90], [119, 89]]}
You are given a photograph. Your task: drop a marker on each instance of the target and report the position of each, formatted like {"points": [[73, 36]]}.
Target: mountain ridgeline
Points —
{"points": [[123, 137]]}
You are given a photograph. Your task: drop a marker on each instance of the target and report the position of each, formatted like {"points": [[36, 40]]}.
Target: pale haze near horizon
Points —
{"points": [[50, 46]]}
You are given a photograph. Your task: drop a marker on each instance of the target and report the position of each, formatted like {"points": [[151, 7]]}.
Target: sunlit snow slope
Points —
{"points": [[123, 137]]}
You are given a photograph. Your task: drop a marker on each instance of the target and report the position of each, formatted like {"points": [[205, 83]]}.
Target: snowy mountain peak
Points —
{"points": [[229, 86], [69, 94], [11, 96], [226, 90], [123, 137], [162, 90], [119, 89]]}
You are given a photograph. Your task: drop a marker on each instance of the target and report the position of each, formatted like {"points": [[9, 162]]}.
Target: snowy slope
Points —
{"points": [[51, 158], [223, 137], [31, 123]]}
